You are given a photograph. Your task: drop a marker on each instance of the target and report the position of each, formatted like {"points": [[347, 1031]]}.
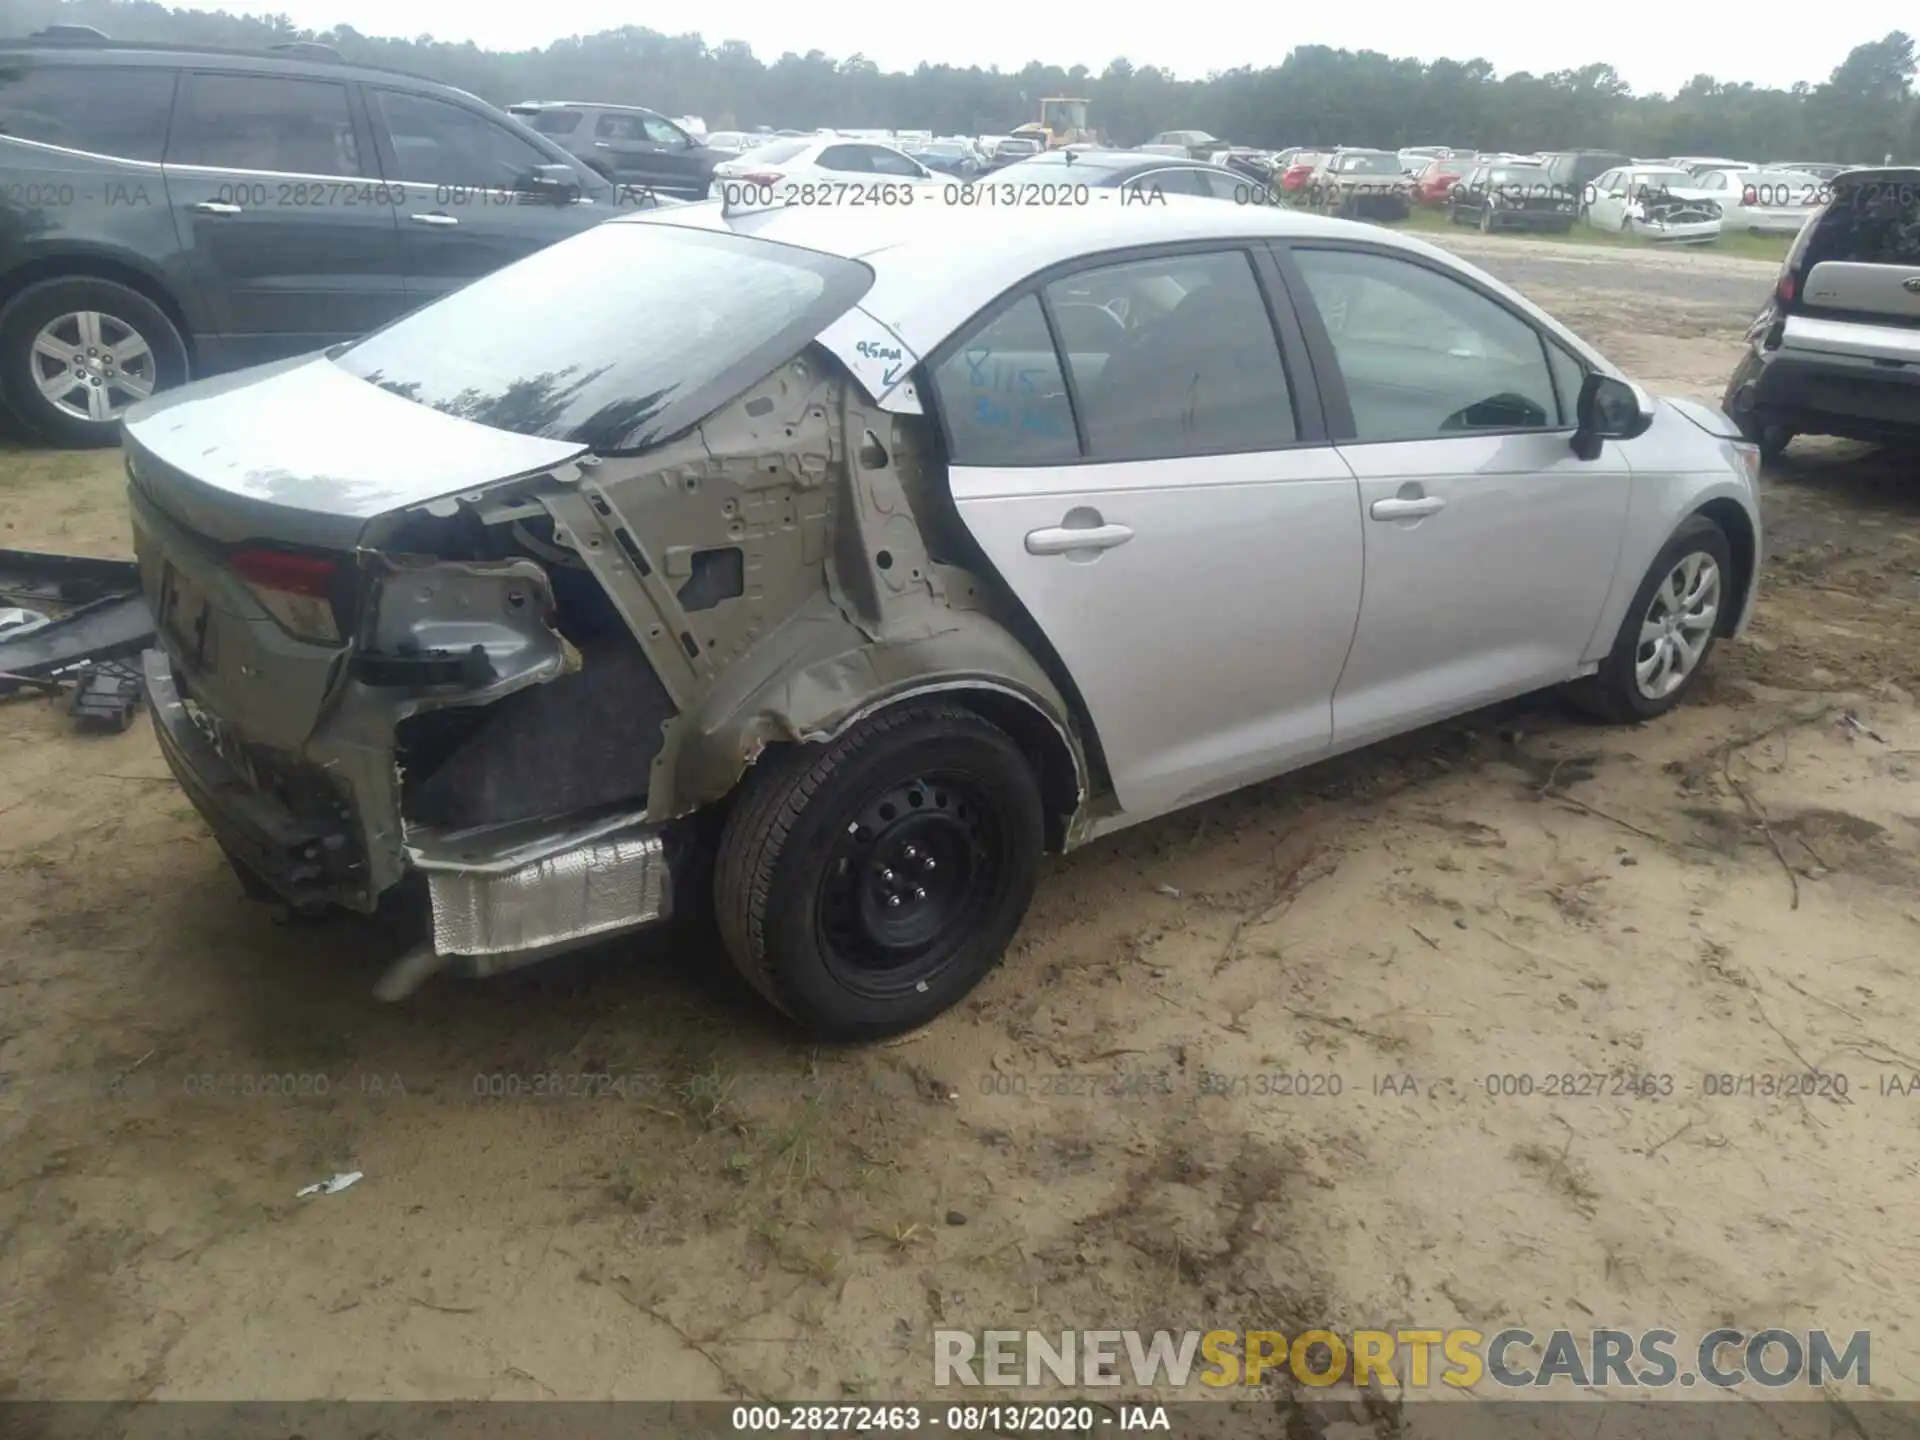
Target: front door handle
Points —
{"points": [[1406, 509], [214, 207], [1061, 539], [435, 219]]}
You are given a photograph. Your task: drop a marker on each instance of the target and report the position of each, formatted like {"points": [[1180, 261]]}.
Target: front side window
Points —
{"points": [[618, 338], [1425, 356], [1003, 396], [265, 122], [120, 110], [1194, 369], [444, 144]]}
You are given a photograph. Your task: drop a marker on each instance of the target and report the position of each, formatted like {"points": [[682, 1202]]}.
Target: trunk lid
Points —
{"points": [[295, 458], [305, 453]]}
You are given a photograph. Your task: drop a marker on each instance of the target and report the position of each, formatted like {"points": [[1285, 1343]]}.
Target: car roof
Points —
{"points": [[304, 62], [935, 265], [581, 105]]}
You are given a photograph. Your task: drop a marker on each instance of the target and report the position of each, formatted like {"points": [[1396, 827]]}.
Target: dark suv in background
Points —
{"points": [[626, 143], [170, 211]]}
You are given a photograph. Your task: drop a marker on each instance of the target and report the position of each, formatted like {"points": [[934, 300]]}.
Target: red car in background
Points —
{"points": [[1300, 166], [1432, 184]]}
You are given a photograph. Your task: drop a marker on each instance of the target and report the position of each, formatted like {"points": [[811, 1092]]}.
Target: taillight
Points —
{"points": [[297, 590], [1783, 292], [763, 177]]}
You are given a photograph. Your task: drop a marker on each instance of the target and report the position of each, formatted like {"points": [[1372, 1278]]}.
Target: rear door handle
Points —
{"points": [[436, 219], [214, 207], [1406, 509], [1060, 539]]}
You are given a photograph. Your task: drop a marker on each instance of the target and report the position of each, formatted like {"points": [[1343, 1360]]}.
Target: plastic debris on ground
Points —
{"points": [[333, 1185]]}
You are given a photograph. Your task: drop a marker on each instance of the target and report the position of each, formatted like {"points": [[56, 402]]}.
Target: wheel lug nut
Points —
{"points": [[911, 853], [893, 902], [927, 864], [886, 877], [918, 893]]}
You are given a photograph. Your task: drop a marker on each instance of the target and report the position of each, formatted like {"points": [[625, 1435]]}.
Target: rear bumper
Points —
{"points": [[1854, 398], [500, 896], [309, 862]]}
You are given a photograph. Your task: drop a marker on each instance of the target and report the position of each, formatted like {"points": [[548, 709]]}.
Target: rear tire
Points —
{"points": [[867, 885], [1676, 613], [1486, 222], [135, 342]]}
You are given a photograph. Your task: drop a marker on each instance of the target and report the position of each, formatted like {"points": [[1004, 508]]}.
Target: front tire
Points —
{"points": [[77, 352], [1668, 632], [865, 886]]}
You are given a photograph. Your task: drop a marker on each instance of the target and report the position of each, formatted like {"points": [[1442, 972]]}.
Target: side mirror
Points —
{"points": [[1608, 409], [558, 183]]}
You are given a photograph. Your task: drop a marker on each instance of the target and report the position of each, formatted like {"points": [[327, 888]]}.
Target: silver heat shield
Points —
{"points": [[533, 887]]}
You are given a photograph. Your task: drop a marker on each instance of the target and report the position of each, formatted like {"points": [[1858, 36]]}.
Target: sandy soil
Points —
{"points": [[1730, 890]]}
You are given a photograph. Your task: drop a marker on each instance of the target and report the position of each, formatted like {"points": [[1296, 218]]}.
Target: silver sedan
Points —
{"points": [[904, 544]]}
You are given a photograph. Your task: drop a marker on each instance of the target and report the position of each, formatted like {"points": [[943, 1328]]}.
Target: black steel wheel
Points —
{"points": [[866, 885]]}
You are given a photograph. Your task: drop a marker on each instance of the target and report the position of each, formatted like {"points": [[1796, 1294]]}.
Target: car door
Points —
{"points": [[459, 178], [276, 201], [1607, 209], [646, 149], [1490, 546], [1165, 505]]}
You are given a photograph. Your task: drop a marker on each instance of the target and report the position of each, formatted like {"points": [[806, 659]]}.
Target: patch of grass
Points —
{"points": [[635, 1186]]}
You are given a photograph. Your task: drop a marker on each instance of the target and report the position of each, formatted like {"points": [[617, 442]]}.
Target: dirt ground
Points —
{"points": [[1728, 891]]}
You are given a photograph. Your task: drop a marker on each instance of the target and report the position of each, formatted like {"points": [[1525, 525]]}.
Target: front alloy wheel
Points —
{"points": [[1663, 642], [1677, 626]]}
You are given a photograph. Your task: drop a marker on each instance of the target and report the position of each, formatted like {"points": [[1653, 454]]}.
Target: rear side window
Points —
{"points": [[617, 338], [551, 122], [852, 158], [1194, 369], [1003, 396], [265, 122], [1871, 222], [119, 111]]}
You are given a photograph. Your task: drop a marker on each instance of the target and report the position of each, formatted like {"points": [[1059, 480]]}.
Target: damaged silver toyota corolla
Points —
{"points": [[838, 563]]}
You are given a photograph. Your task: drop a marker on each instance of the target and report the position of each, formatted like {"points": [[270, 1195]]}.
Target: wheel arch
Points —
{"points": [[93, 265], [1042, 736], [831, 677], [1737, 526]]}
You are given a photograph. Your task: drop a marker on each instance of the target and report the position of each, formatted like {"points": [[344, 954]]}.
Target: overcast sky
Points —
{"points": [[1656, 45]]}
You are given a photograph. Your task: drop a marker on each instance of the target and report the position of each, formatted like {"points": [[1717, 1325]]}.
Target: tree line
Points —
{"points": [[1866, 109]]}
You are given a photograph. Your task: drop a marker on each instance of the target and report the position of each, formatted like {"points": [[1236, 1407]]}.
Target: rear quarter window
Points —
{"points": [[551, 122], [118, 110]]}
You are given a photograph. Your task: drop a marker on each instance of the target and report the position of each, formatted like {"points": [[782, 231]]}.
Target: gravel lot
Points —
{"points": [[1730, 890]]}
